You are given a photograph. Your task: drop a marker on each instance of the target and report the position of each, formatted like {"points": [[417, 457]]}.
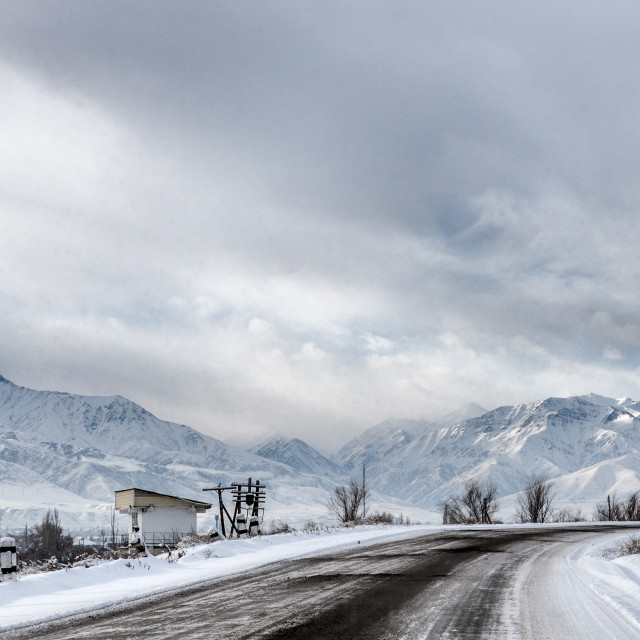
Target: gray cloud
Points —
{"points": [[287, 216]]}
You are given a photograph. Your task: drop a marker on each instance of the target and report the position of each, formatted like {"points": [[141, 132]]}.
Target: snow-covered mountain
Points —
{"points": [[111, 426], [465, 412], [72, 452], [381, 441], [87, 447], [589, 445], [298, 455]]}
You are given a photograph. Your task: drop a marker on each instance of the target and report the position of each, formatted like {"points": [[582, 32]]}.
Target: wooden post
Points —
{"points": [[256, 502], [223, 510], [224, 533], [254, 490], [364, 492]]}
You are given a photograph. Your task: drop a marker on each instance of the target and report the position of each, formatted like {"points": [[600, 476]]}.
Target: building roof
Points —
{"points": [[127, 498]]}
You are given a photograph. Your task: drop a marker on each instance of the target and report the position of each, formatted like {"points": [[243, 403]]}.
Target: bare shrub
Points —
{"points": [[89, 559], [568, 514], [26, 567], [629, 546], [311, 526], [345, 501], [379, 517], [477, 504], [535, 502], [278, 526], [194, 539]]}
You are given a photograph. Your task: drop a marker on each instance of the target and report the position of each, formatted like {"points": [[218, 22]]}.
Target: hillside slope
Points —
{"points": [[298, 455], [88, 447], [573, 440]]}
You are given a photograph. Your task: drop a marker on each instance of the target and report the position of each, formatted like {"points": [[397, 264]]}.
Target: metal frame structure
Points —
{"points": [[247, 496]]}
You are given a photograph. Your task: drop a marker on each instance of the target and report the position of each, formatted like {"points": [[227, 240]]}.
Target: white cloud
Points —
{"points": [[258, 326], [377, 343], [310, 351], [57, 149], [611, 353], [249, 231]]}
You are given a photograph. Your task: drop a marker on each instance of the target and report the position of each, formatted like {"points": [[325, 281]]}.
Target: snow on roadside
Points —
{"points": [[48, 596], [616, 581]]}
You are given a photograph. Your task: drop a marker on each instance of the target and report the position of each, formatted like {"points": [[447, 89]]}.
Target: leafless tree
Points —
{"points": [[47, 537], [617, 509], [609, 509], [477, 504], [632, 507], [345, 501], [535, 502]]}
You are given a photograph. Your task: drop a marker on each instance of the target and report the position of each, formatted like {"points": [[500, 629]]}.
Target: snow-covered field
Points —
{"points": [[48, 596]]}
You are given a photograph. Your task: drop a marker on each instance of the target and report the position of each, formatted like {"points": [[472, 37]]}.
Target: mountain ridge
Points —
{"points": [[90, 445], [298, 455], [557, 436]]}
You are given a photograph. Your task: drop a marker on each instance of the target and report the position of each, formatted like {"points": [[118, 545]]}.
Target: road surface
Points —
{"points": [[494, 584]]}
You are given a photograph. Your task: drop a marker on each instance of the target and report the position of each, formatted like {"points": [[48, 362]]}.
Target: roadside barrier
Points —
{"points": [[8, 559], [241, 525]]}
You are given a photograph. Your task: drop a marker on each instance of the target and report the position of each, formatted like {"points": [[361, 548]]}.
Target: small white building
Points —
{"points": [[162, 519]]}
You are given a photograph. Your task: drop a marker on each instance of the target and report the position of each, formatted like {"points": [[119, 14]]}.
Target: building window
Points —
{"points": [[134, 519]]}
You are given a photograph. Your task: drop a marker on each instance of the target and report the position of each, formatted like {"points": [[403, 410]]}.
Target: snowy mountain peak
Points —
{"points": [[595, 398], [559, 436], [381, 441], [92, 445], [296, 454], [465, 412]]}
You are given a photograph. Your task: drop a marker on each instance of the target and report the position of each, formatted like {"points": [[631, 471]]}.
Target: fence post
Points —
{"points": [[241, 525], [8, 559]]}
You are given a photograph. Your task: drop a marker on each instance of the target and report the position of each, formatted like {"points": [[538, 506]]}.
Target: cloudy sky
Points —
{"points": [[307, 217]]}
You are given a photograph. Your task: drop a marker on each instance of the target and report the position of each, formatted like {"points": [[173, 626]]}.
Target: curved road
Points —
{"points": [[502, 584]]}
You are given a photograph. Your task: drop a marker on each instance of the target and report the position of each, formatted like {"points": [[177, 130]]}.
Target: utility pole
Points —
{"points": [[364, 492], [249, 495]]}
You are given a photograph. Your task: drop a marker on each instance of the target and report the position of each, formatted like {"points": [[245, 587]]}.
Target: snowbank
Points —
{"points": [[617, 581]]}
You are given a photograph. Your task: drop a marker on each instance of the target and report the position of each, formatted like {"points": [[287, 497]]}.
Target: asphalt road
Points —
{"points": [[457, 584]]}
